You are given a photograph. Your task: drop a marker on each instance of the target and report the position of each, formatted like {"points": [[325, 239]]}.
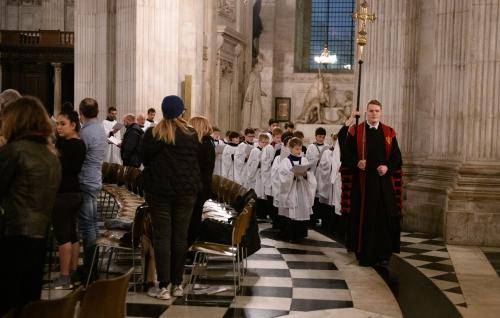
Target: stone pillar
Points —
{"points": [[57, 88], [94, 52], [266, 48], [53, 15]]}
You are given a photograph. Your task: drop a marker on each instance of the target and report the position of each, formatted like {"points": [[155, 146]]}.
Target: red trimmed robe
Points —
{"points": [[372, 202]]}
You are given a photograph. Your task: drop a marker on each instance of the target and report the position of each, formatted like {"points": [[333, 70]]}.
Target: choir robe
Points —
{"points": [[218, 144], [373, 202], [228, 169], [296, 198], [253, 179], [276, 183], [328, 178], [266, 163], [240, 160], [313, 154], [112, 154]]}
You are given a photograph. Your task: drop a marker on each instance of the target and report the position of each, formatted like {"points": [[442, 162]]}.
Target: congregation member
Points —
{"points": [[228, 155], [6, 97], [94, 136], [374, 159], [112, 129], [260, 158], [130, 149], [241, 156], [206, 160], [171, 183], [71, 150], [30, 174], [141, 120], [329, 187], [150, 120], [296, 194]]}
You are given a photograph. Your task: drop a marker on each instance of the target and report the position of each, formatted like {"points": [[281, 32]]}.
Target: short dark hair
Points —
{"points": [[273, 121], [374, 102], [111, 109], [285, 137], [295, 142], [249, 131], [67, 107], [89, 107], [289, 125], [298, 134], [233, 134], [320, 131], [151, 110], [214, 128], [228, 132]]}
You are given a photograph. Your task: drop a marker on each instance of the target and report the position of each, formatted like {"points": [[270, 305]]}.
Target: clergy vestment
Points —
{"points": [[240, 160], [373, 202], [112, 151], [228, 161]]}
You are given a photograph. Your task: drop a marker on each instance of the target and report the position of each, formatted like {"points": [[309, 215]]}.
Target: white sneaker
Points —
{"points": [[163, 293], [178, 291]]}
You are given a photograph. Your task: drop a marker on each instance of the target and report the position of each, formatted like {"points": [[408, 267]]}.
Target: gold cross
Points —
{"points": [[363, 17]]}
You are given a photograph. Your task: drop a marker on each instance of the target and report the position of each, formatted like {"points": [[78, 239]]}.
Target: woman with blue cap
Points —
{"points": [[171, 183]]}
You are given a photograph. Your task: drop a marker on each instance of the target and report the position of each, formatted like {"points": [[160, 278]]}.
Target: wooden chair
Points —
{"points": [[112, 175], [106, 298], [55, 308]]}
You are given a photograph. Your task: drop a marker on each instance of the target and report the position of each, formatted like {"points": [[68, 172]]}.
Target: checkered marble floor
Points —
{"points": [[430, 256], [493, 256], [282, 279]]}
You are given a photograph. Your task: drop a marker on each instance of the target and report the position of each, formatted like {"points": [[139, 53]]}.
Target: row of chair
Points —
{"points": [[114, 173], [102, 299]]}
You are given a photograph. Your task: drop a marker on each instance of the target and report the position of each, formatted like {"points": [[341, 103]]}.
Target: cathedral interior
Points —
{"points": [[433, 64]]}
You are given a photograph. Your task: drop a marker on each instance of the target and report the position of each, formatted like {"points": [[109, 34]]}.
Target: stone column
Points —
{"points": [[57, 88], [94, 52], [53, 15]]}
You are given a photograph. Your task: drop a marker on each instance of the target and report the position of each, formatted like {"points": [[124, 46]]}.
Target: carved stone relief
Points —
{"points": [[227, 8]]}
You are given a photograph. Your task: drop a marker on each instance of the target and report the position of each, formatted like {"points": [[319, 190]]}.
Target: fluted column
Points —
{"points": [[384, 70], [57, 87], [53, 15]]}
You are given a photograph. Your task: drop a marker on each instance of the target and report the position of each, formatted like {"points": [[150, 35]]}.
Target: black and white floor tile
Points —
{"points": [[430, 256], [282, 279], [493, 256]]}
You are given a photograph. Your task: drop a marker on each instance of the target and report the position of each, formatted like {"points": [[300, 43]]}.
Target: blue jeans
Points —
{"points": [[87, 222]]}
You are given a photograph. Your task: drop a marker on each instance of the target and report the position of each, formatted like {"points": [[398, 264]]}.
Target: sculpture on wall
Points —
{"points": [[323, 105], [252, 103], [317, 97]]}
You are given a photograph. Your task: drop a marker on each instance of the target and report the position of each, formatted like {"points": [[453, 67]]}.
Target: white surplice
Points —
{"points": [[228, 169], [112, 151], [240, 158], [296, 195], [329, 179], [266, 163], [253, 179]]}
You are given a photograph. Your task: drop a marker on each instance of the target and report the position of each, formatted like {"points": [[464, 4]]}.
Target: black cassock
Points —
{"points": [[380, 223]]}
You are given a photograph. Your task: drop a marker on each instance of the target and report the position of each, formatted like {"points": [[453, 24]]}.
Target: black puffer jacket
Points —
{"points": [[29, 179], [170, 170], [131, 146], [206, 159]]}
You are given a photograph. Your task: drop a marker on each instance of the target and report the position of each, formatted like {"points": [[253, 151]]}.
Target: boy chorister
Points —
{"points": [[269, 154], [228, 169], [313, 154], [254, 178], [296, 195], [241, 156], [219, 146], [328, 177]]}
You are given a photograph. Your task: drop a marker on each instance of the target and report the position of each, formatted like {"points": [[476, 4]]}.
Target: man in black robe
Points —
{"points": [[372, 189]]}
